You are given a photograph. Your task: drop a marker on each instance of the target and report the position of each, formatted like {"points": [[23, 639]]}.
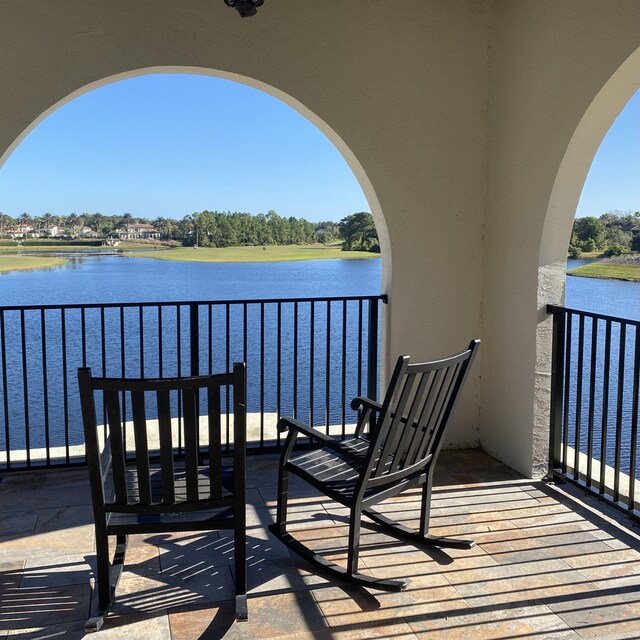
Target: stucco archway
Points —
{"points": [[556, 233], [350, 158], [295, 104]]}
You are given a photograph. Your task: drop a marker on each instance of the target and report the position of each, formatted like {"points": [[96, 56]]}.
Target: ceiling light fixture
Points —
{"points": [[246, 8]]}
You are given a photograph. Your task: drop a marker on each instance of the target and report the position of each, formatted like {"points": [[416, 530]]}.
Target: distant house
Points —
{"points": [[54, 231], [87, 232], [635, 229], [138, 231], [20, 231]]}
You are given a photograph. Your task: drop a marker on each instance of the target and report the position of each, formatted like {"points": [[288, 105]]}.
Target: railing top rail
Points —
{"points": [[557, 309], [187, 303]]}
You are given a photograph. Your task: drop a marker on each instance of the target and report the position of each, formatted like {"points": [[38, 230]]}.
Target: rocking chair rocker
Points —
{"points": [[406, 435]]}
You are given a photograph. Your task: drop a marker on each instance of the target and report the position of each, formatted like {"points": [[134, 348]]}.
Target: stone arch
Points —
{"points": [[560, 214], [353, 163], [350, 158]]}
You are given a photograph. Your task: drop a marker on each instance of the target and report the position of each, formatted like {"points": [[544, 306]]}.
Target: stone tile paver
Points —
{"points": [[544, 566]]}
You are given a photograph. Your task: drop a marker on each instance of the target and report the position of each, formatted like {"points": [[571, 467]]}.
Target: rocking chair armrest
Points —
{"points": [[300, 427], [362, 402]]}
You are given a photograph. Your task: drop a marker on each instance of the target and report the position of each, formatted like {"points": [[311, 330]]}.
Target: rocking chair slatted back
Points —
{"points": [[144, 471], [411, 423]]}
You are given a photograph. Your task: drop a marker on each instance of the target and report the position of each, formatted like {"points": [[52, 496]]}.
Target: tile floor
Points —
{"points": [[546, 566]]}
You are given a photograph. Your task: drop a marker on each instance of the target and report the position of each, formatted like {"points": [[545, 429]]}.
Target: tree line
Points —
{"points": [[212, 228], [613, 233]]}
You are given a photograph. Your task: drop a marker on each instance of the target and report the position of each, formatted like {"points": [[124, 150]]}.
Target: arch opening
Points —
{"points": [[324, 127], [250, 316], [561, 212]]}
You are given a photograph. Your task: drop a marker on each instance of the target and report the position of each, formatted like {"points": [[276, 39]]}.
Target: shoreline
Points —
{"points": [[254, 254], [39, 257], [10, 264], [620, 268]]}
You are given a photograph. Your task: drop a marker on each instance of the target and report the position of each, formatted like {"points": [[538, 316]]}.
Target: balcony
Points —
{"points": [[546, 565]]}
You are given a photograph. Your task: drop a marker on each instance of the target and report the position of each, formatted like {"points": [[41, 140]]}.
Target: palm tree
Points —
{"points": [[46, 221], [5, 221], [73, 223]]}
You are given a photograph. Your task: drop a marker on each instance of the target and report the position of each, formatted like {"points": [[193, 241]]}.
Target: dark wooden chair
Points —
{"points": [[399, 452], [142, 482]]}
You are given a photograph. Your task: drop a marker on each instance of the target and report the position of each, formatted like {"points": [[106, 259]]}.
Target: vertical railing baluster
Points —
{"points": [[557, 386], [566, 396], [633, 454], [141, 338], [372, 350], [327, 373], [194, 338], [619, 410], [228, 361], [160, 343], [261, 374], [5, 389], [103, 349], [592, 399], [605, 407], [343, 389], [312, 354], [210, 325], [103, 341], [360, 343], [65, 384], [25, 386], [123, 373], [245, 332], [578, 416], [83, 335], [295, 359], [45, 385], [279, 367], [179, 356], [194, 358]]}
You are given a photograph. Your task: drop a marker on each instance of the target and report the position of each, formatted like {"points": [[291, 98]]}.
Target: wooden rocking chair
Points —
{"points": [[147, 484], [406, 434]]}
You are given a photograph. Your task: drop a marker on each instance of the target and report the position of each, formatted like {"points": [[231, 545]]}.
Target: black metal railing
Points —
{"points": [[595, 385], [305, 357]]}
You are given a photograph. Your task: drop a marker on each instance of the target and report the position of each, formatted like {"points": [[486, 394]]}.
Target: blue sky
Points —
{"points": [[169, 145], [613, 182]]}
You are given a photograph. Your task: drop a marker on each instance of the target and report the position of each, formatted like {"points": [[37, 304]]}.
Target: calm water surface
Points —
{"points": [[102, 279], [114, 278], [115, 345]]}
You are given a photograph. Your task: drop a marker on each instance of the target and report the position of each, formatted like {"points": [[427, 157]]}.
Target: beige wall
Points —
{"points": [[454, 115], [403, 90], [549, 61]]}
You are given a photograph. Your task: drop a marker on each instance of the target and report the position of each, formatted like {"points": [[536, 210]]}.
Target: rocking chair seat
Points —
{"points": [[219, 515]]}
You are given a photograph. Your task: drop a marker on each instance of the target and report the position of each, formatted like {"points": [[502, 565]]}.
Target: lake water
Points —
{"points": [[302, 359], [112, 278], [610, 297], [116, 279]]}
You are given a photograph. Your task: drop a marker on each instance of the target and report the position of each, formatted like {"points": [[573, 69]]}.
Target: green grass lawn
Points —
{"points": [[587, 255], [24, 263], [612, 270], [284, 253]]}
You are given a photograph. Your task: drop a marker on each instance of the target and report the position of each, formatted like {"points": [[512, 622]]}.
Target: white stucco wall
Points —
{"points": [[404, 90], [454, 114], [549, 63]]}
